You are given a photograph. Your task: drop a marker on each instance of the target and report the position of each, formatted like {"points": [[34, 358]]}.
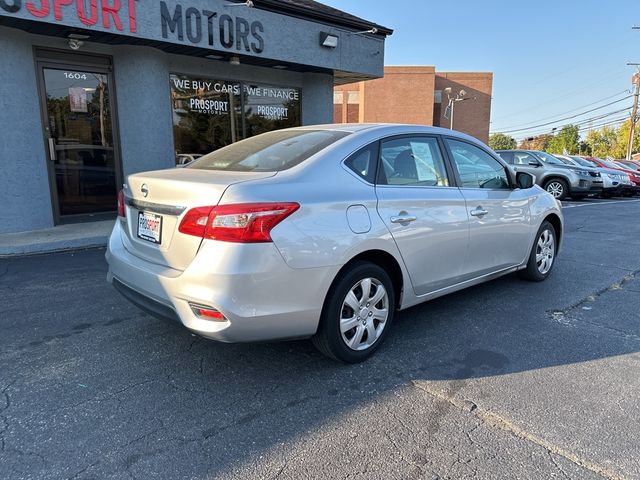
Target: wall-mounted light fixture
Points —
{"points": [[328, 40], [248, 4], [235, 60], [75, 44]]}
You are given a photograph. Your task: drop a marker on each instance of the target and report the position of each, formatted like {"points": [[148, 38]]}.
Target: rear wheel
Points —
{"points": [[543, 254], [557, 187], [357, 313]]}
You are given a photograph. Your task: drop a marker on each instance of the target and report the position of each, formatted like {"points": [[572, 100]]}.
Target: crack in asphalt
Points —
{"points": [[497, 421], [564, 316]]}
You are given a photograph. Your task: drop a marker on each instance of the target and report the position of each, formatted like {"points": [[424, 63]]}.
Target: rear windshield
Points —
{"points": [[269, 152]]}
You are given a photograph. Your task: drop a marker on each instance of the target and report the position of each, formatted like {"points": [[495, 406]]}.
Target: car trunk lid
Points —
{"points": [[156, 202]]}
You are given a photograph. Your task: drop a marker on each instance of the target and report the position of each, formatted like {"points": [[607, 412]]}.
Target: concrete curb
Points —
{"points": [[57, 239]]}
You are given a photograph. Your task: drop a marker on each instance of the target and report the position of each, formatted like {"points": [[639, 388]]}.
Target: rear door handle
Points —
{"points": [[478, 212], [403, 219]]}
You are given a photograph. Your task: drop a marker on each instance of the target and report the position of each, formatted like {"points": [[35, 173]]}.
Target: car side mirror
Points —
{"points": [[535, 163], [525, 180]]}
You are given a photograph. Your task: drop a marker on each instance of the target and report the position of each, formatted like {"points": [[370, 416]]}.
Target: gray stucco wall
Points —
{"points": [[144, 121], [144, 109], [24, 184]]}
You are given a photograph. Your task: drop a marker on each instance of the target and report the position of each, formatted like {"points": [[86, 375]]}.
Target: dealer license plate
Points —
{"points": [[150, 227]]}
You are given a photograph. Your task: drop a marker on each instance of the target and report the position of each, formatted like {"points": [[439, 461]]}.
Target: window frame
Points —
{"points": [[451, 179], [376, 159], [510, 174]]}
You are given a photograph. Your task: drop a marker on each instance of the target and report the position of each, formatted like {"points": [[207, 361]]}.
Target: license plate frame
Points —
{"points": [[147, 229]]}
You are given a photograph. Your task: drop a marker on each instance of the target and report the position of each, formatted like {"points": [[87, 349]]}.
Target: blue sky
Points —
{"points": [[549, 58]]}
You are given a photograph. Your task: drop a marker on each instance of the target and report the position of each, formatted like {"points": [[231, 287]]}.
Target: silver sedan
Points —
{"points": [[324, 232]]}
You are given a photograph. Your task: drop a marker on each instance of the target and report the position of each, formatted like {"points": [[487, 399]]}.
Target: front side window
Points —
{"points": [[524, 158], [271, 152], [476, 168], [547, 158], [413, 161]]}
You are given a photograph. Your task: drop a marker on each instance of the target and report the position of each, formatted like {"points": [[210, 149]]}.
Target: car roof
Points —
{"points": [[390, 129]]}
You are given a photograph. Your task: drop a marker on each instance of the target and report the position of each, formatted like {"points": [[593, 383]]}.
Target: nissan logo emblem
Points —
{"points": [[145, 190]]}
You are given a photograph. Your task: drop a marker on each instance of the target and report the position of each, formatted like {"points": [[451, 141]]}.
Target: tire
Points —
{"points": [[354, 345], [557, 187], [543, 245]]}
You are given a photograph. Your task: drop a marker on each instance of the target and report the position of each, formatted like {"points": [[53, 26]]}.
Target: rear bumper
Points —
{"points": [[261, 297]]}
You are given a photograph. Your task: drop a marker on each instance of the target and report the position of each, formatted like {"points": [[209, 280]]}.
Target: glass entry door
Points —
{"points": [[82, 155]]}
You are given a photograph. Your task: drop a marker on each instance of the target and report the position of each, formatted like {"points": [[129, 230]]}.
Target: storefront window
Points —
{"points": [[210, 114], [206, 115], [270, 108]]}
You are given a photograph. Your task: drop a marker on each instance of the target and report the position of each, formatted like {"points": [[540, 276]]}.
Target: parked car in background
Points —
{"points": [[629, 164], [557, 178], [326, 231], [186, 158], [613, 181], [633, 175]]}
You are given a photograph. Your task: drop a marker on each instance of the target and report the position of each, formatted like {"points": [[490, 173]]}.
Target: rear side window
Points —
{"points": [[506, 156], [412, 161], [363, 162], [269, 152]]}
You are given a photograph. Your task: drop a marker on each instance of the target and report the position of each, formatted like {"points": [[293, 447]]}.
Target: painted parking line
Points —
{"points": [[591, 204]]}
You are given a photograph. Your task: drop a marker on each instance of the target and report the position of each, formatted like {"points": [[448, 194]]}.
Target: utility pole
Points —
{"points": [[634, 113]]}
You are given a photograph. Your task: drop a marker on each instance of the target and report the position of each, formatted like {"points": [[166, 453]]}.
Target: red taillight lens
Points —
{"points": [[240, 223], [122, 211]]}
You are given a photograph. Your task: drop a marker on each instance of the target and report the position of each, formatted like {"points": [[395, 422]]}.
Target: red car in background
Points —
{"points": [[633, 175]]}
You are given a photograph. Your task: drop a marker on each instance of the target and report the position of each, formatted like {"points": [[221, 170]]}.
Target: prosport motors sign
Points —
{"points": [[168, 20]]}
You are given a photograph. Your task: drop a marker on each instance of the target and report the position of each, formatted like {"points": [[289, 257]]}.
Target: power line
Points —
{"points": [[609, 122], [571, 94], [566, 118], [529, 133], [573, 109]]}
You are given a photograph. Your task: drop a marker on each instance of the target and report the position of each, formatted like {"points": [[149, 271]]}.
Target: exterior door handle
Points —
{"points": [[478, 212], [403, 219], [52, 149]]}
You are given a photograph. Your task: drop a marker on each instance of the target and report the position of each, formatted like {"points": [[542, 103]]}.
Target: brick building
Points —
{"points": [[414, 94]]}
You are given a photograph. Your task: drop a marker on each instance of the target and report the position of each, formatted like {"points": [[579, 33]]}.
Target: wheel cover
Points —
{"points": [[545, 251], [364, 314], [556, 189]]}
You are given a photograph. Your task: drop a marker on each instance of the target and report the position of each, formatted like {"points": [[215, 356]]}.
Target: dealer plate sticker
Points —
{"points": [[150, 227]]}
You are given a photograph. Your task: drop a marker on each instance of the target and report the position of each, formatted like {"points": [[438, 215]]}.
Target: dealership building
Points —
{"points": [[94, 90], [419, 95]]}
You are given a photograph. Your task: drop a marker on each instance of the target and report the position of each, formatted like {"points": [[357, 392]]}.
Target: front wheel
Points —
{"points": [[543, 254], [357, 313], [557, 187]]}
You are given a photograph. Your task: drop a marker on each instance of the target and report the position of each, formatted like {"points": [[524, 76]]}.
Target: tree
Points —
{"points": [[500, 141], [539, 142], [603, 142], [567, 140], [623, 140]]}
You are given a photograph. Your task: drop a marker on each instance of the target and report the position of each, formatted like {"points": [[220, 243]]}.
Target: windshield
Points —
{"points": [[584, 162], [611, 164], [632, 166], [546, 158], [269, 152]]}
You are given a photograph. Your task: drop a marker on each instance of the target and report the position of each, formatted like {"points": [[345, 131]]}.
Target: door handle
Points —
{"points": [[52, 149], [478, 212], [403, 219]]}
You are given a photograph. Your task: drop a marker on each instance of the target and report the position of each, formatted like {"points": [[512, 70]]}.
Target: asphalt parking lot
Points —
{"points": [[505, 380]]}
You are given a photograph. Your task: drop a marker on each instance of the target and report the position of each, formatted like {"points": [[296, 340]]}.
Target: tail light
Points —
{"points": [[122, 212], [239, 223]]}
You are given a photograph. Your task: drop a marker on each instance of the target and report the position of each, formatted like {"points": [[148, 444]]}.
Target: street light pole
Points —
{"points": [[452, 101]]}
